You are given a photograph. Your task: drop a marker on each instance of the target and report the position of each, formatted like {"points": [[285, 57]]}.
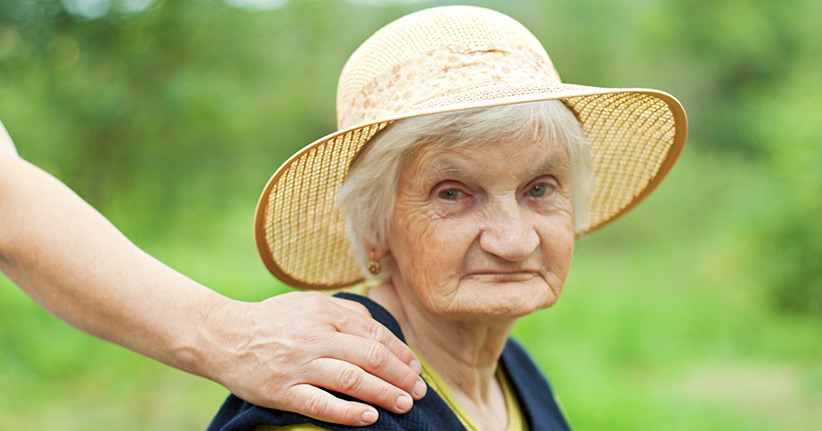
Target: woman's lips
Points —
{"points": [[503, 276]]}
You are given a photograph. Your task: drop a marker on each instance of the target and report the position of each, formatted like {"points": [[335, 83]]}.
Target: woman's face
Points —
{"points": [[484, 231]]}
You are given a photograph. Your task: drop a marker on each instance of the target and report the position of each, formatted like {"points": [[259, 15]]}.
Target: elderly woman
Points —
{"points": [[462, 173]]}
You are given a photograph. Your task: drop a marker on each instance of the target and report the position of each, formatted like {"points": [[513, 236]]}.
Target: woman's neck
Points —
{"points": [[464, 353]]}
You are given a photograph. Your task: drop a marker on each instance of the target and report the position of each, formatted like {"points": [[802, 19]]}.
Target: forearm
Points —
{"points": [[275, 353], [6, 144], [79, 267]]}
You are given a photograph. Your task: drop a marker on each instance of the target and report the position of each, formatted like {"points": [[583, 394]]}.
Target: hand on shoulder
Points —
{"points": [[281, 353]]}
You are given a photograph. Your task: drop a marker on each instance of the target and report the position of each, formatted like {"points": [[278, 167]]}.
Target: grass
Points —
{"points": [[665, 324]]}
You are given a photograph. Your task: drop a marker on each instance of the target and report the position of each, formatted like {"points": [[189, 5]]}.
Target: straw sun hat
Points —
{"points": [[440, 60]]}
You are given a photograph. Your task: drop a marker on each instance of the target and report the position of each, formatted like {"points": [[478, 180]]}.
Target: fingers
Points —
{"points": [[316, 343], [319, 404], [391, 377], [351, 305], [370, 346], [340, 375], [369, 328]]}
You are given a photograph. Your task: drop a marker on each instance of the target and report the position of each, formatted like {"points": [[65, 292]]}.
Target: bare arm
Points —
{"points": [[6, 144], [78, 266]]}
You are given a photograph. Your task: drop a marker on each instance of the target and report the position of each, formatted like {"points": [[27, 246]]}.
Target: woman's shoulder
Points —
{"points": [[532, 387]]}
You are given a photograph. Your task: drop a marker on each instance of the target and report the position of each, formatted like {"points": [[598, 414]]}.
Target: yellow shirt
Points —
{"points": [[516, 421]]}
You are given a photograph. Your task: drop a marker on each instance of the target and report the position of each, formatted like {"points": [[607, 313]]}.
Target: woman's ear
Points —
{"points": [[374, 252]]}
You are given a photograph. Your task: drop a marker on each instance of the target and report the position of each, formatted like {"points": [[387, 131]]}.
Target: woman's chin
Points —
{"points": [[500, 301]]}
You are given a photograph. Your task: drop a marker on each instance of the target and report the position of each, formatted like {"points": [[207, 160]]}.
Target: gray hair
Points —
{"points": [[367, 195]]}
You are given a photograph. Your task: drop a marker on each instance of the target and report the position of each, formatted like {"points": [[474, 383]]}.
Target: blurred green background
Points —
{"points": [[700, 310]]}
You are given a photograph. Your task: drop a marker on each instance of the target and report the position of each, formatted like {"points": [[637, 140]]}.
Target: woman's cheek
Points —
{"points": [[437, 267]]}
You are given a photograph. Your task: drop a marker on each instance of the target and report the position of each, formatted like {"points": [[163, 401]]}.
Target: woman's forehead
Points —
{"points": [[529, 158]]}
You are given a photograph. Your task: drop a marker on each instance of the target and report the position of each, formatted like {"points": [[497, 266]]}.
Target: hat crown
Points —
{"points": [[401, 65]]}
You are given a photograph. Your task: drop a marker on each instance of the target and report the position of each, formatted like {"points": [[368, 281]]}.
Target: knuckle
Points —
{"points": [[387, 396], [362, 309], [377, 332], [317, 405], [316, 298], [350, 415], [313, 302], [410, 381], [376, 357], [350, 379], [407, 380]]}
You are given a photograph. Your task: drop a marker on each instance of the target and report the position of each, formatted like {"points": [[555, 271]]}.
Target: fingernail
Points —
{"points": [[404, 403], [416, 366], [369, 417], [419, 389]]}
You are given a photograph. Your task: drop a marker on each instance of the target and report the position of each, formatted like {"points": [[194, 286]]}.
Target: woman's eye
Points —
{"points": [[451, 194], [539, 190]]}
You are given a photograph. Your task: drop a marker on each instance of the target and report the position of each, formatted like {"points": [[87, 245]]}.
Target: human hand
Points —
{"points": [[6, 144], [281, 352]]}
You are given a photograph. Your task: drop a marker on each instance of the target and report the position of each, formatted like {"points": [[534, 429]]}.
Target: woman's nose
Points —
{"points": [[508, 234]]}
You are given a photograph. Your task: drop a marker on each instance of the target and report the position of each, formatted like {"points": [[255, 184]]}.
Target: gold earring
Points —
{"points": [[374, 267]]}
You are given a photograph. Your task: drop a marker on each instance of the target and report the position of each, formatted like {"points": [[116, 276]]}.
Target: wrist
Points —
{"points": [[209, 343]]}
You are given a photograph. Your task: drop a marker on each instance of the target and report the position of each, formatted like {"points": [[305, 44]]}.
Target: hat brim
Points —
{"points": [[636, 136]]}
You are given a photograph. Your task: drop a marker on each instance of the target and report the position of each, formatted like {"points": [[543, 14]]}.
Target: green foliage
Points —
{"points": [[699, 310], [791, 238]]}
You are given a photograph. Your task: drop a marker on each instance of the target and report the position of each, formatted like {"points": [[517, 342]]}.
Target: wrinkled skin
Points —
{"points": [[484, 233], [479, 236]]}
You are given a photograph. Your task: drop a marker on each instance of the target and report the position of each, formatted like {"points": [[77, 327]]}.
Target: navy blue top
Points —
{"points": [[430, 413]]}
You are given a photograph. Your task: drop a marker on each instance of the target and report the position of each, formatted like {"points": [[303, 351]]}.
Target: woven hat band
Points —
{"points": [[446, 70]]}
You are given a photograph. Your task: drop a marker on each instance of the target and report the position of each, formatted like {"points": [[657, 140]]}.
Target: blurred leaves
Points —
{"points": [[198, 93]]}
